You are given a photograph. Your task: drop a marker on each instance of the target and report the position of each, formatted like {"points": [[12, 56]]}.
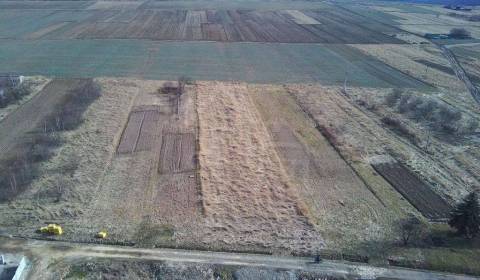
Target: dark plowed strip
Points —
{"points": [[130, 134], [148, 131], [177, 153], [419, 194]]}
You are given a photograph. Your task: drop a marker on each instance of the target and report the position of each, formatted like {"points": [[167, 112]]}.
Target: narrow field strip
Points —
{"points": [[247, 197]]}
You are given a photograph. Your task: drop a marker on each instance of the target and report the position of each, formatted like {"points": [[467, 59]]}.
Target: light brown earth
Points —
{"points": [[247, 196]]}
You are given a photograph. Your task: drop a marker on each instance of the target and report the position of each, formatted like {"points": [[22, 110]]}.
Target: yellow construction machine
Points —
{"points": [[53, 229], [102, 234]]}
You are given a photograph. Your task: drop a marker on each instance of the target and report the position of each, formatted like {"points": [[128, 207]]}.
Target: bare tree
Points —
{"points": [[411, 229]]}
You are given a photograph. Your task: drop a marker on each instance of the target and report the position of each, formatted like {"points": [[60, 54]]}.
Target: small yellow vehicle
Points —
{"points": [[52, 229], [102, 234]]}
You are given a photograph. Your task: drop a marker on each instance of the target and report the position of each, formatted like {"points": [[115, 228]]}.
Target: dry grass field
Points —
{"points": [[247, 196], [424, 62], [339, 203], [303, 127], [361, 136], [235, 166]]}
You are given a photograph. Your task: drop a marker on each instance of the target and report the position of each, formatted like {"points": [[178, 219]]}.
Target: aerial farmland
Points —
{"points": [[289, 129]]}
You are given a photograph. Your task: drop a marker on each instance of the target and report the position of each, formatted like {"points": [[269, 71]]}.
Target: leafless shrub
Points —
{"points": [[425, 111], [471, 126], [446, 119], [440, 117], [168, 87], [411, 230], [460, 33], [14, 94], [392, 98], [403, 103], [413, 103], [68, 115], [397, 126]]}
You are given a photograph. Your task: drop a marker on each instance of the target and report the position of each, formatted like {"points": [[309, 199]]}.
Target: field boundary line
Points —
{"points": [[198, 178], [134, 148], [459, 71]]}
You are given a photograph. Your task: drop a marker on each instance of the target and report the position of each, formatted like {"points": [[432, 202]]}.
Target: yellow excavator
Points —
{"points": [[53, 229]]}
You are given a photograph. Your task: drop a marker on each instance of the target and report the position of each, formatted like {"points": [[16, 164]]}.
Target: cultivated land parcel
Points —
{"points": [[282, 141]]}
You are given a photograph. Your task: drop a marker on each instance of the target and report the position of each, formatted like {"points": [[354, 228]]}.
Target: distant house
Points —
{"points": [[10, 80]]}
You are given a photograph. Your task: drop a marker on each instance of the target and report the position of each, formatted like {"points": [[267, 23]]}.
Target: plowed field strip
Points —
{"points": [[419, 194], [148, 131], [177, 153], [129, 136], [141, 130]]}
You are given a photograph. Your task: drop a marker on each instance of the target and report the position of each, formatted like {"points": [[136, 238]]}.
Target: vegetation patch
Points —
{"points": [[14, 94], [21, 165], [439, 117]]}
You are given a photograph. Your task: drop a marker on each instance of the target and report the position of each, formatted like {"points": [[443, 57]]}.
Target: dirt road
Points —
{"points": [[460, 72], [53, 250]]}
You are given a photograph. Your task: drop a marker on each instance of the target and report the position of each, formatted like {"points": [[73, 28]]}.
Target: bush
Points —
{"points": [[460, 33], [403, 104], [441, 117], [446, 119], [425, 111], [400, 128], [68, 115], [14, 94], [413, 104], [392, 99], [471, 126]]}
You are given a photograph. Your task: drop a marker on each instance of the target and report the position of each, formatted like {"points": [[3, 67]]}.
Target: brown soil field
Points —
{"points": [[247, 196], [421, 196], [44, 31], [148, 131], [140, 131], [177, 153], [290, 26]]}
